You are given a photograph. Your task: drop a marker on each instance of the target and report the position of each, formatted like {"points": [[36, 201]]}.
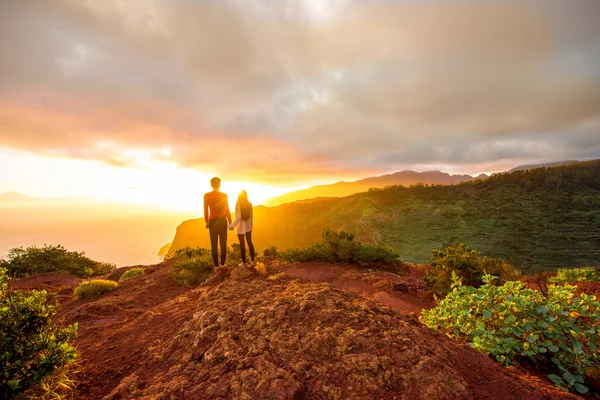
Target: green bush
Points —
{"points": [[193, 265], [270, 252], [369, 255], [468, 264], [132, 272], [33, 346], [94, 288], [575, 275], [22, 262], [234, 255], [512, 321], [340, 247]]}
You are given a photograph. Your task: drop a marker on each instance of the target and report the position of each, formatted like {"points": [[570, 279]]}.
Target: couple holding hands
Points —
{"points": [[218, 219]]}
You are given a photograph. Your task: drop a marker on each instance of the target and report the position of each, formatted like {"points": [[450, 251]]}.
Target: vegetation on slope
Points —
{"points": [[561, 328], [468, 264], [537, 219], [340, 247], [576, 275], [33, 346], [192, 265], [33, 260]]}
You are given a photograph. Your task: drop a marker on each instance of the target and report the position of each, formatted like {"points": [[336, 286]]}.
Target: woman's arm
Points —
{"points": [[238, 217]]}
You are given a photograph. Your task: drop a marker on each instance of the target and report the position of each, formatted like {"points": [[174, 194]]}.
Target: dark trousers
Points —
{"points": [[217, 229], [248, 238]]}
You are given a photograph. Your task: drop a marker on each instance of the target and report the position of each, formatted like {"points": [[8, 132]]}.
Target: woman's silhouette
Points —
{"points": [[244, 217]]}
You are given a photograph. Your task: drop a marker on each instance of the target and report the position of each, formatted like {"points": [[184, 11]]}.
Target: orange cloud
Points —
{"points": [[286, 90]]}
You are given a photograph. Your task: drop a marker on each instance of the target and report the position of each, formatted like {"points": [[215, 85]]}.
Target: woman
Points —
{"points": [[243, 220]]}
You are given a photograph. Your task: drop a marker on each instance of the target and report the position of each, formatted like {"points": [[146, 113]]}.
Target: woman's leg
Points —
{"points": [[250, 245], [242, 247]]}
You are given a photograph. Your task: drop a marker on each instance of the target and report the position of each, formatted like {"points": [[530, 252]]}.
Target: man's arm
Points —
{"points": [[205, 211]]}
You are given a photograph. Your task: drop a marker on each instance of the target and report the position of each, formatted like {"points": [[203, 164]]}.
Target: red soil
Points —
{"points": [[123, 334], [377, 286]]}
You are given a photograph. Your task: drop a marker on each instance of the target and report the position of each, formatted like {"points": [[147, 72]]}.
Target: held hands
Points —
{"points": [[230, 227]]}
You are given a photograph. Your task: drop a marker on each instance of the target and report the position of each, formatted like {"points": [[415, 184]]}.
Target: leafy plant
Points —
{"points": [[193, 265], [132, 272], [511, 321], [566, 275], [22, 262], [33, 346], [467, 264], [94, 288]]}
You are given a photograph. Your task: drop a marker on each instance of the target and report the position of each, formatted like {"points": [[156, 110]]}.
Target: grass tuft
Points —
{"points": [[94, 288], [132, 272]]}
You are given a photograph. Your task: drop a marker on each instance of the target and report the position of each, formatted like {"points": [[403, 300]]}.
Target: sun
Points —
{"points": [[257, 193], [169, 186]]}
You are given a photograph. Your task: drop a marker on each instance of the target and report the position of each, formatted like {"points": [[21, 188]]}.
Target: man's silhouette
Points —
{"points": [[218, 218]]}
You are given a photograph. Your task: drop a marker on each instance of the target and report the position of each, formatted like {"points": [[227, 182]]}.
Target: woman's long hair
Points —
{"points": [[245, 205]]}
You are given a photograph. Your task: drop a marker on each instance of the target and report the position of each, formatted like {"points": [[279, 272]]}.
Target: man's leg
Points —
{"points": [[213, 241], [223, 239], [250, 245], [242, 247]]}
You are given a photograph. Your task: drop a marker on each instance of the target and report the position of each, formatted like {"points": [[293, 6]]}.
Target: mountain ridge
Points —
{"points": [[343, 188]]}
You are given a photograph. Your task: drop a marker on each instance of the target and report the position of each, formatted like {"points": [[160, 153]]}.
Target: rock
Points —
{"points": [[401, 287], [238, 273]]}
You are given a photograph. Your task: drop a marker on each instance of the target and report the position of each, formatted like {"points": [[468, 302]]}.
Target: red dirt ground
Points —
{"points": [[118, 330], [377, 286]]}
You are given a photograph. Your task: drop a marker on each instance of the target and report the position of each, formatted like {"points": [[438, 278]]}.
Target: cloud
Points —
{"points": [[280, 90]]}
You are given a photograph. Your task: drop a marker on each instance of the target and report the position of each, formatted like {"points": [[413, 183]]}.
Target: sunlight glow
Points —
{"points": [[157, 183]]}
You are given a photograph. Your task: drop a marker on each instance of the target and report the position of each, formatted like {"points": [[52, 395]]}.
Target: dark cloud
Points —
{"points": [[287, 88]]}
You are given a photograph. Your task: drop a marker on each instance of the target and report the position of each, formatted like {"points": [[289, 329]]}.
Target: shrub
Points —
{"points": [[575, 275], [94, 288], [468, 264], [270, 252], [132, 272], [22, 262], [33, 346], [512, 321], [340, 247], [369, 255], [234, 255], [193, 265]]}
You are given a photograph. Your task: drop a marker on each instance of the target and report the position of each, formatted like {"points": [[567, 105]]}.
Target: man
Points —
{"points": [[218, 218]]}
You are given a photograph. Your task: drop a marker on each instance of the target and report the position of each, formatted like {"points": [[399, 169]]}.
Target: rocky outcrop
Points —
{"points": [[279, 337], [164, 250]]}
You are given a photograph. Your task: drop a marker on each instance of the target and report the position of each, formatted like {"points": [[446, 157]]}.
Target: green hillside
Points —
{"points": [[539, 219]]}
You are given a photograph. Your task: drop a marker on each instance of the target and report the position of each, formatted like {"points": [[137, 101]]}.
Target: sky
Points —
{"points": [[145, 100]]}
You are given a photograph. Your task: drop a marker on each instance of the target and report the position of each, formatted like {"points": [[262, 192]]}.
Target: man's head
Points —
{"points": [[215, 183]]}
